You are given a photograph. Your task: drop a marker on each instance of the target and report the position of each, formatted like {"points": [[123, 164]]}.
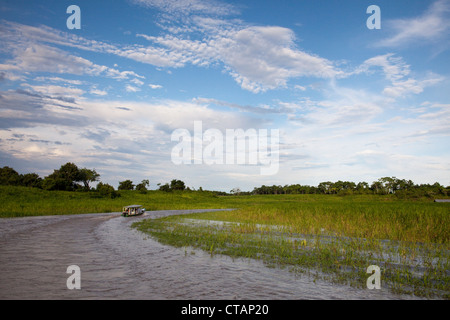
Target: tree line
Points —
{"points": [[69, 177], [142, 187], [383, 186]]}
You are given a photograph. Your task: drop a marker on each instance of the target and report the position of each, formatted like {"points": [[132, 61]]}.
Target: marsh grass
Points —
{"points": [[329, 237]]}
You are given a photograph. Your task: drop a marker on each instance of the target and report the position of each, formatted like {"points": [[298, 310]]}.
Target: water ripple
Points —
{"points": [[118, 262]]}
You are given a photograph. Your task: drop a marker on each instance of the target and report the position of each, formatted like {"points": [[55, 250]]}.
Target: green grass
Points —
{"points": [[332, 237], [23, 201]]}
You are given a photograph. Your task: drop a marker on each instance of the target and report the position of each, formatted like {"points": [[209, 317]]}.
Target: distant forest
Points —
{"points": [[383, 186], [69, 177]]}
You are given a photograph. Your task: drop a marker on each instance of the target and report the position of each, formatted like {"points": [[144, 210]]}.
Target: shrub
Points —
{"points": [[107, 190]]}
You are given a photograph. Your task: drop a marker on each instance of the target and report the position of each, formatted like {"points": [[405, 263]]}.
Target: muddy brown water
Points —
{"points": [[118, 262]]}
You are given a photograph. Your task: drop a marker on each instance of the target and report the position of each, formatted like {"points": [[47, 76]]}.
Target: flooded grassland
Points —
{"points": [[335, 243], [119, 262], [271, 247]]}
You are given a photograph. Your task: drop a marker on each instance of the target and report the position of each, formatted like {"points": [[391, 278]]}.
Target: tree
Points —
{"points": [[325, 187], [349, 185], [235, 191], [376, 186], [86, 176], [142, 187], [165, 187], [362, 187], [177, 185], [9, 176], [65, 178], [388, 184], [126, 185], [31, 180], [106, 190]]}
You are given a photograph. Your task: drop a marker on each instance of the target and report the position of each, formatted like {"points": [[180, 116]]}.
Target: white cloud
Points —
{"points": [[130, 88], [101, 130], [246, 108], [137, 82], [53, 90], [397, 72], [98, 92], [42, 58], [264, 58], [259, 58], [187, 7], [433, 25], [38, 57], [155, 86], [155, 56], [402, 88], [341, 112], [30, 54], [58, 79], [393, 67], [11, 76]]}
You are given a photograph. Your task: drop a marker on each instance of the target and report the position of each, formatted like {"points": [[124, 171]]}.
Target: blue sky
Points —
{"points": [[350, 103]]}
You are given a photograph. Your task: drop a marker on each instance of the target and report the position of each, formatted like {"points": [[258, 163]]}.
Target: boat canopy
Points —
{"points": [[133, 206]]}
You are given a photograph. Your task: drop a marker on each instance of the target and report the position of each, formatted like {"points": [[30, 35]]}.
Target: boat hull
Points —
{"points": [[124, 214]]}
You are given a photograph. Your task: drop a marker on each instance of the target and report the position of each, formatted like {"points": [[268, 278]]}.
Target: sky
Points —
{"points": [[348, 102]]}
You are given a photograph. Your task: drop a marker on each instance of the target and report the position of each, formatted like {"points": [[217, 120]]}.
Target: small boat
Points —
{"points": [[133, 210]]}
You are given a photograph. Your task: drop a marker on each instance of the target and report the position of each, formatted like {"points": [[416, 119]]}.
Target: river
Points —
{"points": [[118, 262]]}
